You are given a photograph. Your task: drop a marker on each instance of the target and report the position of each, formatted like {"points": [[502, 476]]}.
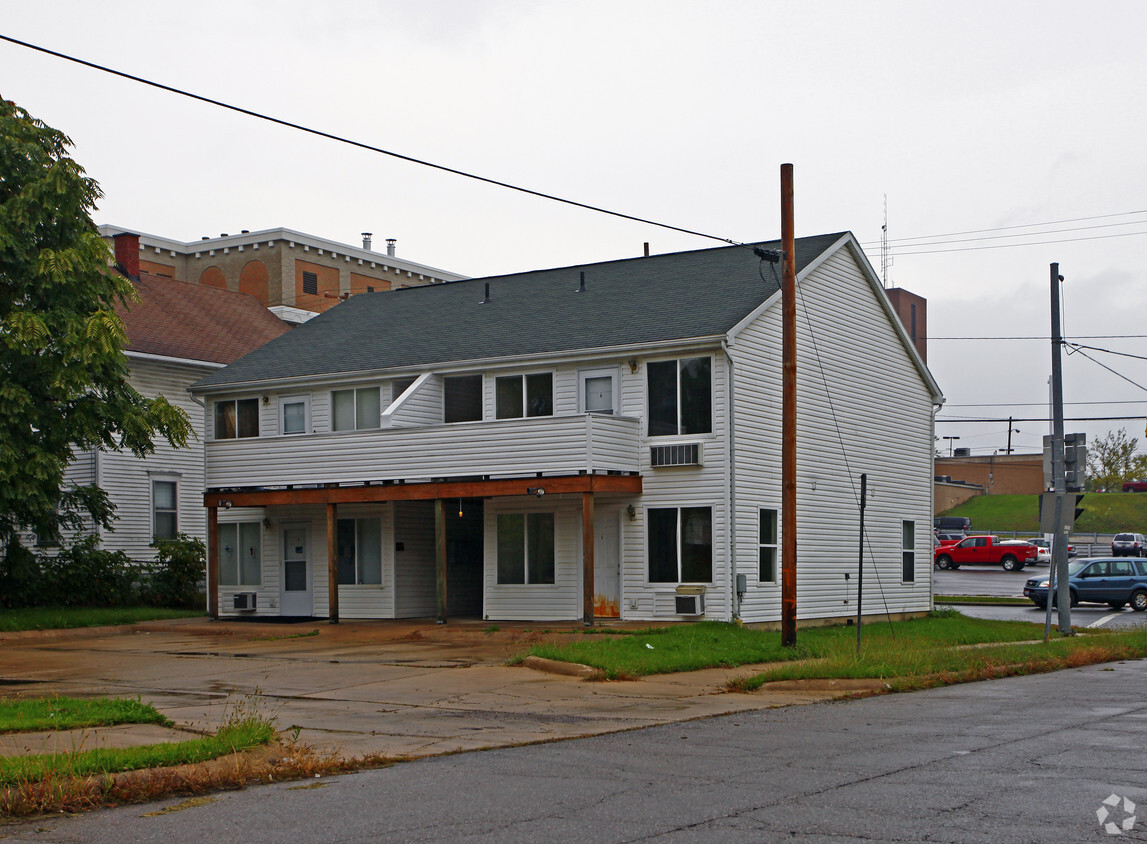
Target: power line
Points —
{"points": [[1020, 234], [1041, 403], [1048, 338], [1014, 245], [361, 145], [1009, 228], [1004, 420]]}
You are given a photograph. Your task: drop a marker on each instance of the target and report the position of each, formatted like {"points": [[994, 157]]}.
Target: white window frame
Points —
{"points": [[358, 573], [678, 361], [525, 581], [524, 410], [236, 528], [762, 545], [354, 391], [584, 374], [680, 550], [905, 551], [172, 479], [305, 401], [235, 403], [481, 397]]}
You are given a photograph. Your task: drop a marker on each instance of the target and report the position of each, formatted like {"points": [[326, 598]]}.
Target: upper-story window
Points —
{"points": [[294, 414], [356, 410], [462, 398], [680, 396], [598, 390], [516, 396], [236, 418]]}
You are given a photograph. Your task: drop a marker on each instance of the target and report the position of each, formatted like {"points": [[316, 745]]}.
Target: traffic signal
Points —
{"points": [[1075, 461]]}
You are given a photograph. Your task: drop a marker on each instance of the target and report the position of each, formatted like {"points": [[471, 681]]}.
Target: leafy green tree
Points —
{"points": [[63, 373], [1111, 460]]}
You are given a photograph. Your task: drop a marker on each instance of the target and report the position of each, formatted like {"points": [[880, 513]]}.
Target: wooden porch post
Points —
{"points": [[440, 557], [332, 564], [587, 556], [213, 562]]}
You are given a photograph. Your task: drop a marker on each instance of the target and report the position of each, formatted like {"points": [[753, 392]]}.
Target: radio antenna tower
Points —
{"points": [[885, 258]]}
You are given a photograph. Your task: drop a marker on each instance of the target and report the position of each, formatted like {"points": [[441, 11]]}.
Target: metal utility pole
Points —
{"points": [[1059, 478], [860, 559], [788, 414]]}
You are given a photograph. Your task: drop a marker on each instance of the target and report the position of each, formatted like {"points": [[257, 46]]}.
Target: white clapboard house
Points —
{"points": [[177, 333], [591, 441]]}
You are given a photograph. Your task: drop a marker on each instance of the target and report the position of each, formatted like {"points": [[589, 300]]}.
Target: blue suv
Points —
{"points": [[1112, 581]]}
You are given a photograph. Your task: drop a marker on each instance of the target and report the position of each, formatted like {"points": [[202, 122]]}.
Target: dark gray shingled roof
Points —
{"points": [[661, 298]]}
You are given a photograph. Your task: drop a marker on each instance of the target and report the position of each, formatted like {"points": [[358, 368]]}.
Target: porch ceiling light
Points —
{"points": [[539, 491]]}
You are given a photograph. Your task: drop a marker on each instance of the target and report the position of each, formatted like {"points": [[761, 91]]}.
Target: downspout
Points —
{"points": [[936, 408], [731, 496]]}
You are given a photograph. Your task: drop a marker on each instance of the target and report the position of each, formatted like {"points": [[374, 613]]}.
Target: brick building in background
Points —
{"points": [[913, 313], [283, 269]]}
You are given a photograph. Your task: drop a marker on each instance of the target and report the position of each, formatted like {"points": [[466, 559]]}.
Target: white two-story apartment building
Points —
{"points": [[591, 441]]}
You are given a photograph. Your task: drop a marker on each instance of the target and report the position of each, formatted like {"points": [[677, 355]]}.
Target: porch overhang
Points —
{"points": [[425, 490]]}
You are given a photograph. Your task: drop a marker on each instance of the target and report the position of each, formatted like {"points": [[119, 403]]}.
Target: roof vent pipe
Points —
{"points": [[486, 298], [390, 241], [647, 249], [366, 241], [581, 285]]}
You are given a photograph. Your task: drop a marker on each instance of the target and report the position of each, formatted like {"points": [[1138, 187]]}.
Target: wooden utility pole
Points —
{"points": [[788, 414], [333, 563]]}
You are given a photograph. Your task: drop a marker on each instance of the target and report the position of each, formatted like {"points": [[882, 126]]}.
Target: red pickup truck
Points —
{"points": [[1011, 554], [1135, 486]]}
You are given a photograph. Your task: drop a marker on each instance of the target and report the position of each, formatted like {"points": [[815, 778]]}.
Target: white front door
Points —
{"points": [[296, 590], [606, 566]]}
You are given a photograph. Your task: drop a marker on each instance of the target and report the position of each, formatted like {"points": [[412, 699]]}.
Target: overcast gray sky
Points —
{"points": [[967, 116]]}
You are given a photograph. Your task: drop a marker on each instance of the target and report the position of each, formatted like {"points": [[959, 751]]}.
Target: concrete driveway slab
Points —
{"points": [[391, 688]]}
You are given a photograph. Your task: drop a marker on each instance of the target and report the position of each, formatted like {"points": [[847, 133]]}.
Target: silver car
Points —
{"points": [[1129, 545]]}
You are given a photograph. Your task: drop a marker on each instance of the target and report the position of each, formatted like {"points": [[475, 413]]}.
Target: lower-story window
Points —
{"points": [[767, 562], [240, 554], [360, 551], [680, 544], [908, 550], [526, 548]]}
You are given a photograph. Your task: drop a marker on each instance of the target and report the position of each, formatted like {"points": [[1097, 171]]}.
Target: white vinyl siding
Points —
{"points": [[415, 583], [128, 479], [871, 413], [549, 444], [559, 601]]}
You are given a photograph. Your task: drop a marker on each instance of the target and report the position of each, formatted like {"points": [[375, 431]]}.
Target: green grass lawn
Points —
{"points": [[708, 644], [903, 649], [232, 737], [54, 618], [19, 715], [1103, 512]]}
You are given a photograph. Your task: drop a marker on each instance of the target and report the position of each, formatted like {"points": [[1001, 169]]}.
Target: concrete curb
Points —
{"points": [[553, 666]]}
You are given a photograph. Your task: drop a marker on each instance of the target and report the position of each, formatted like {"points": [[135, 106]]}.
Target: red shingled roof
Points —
{"points": [[182, 320]]}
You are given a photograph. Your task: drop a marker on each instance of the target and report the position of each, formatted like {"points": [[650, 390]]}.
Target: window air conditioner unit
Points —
{"points": [[690, 599], [682, 454], [244, 601]]}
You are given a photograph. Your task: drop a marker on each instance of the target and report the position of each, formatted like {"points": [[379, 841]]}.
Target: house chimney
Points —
{"points": [[390, 241], [127, 254], [366, 241]]}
